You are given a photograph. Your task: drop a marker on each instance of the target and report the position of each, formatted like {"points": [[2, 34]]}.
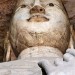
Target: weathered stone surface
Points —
{"points": [[65, 66], [70, 8], [6, 10], [40, 51], [52, 66], [27, 66]]}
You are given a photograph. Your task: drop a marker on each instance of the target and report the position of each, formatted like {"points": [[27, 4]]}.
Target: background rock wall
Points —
{"points": [[6, 10], [70, 8]]}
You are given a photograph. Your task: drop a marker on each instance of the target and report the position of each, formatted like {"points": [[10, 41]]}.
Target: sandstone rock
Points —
{"points": [[6, 10], [70, 8]]}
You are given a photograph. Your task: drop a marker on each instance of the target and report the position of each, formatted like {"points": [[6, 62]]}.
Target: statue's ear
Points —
{"points": [[73, 34], [72, 37]]}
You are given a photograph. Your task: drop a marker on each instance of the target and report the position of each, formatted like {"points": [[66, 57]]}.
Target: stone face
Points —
{"points": [[27, 65], [36, 24]]}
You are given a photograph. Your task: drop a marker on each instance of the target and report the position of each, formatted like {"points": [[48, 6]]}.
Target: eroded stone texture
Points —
{"points": [[28, 66], [40, 51], [6, 9], [65, 66], [51, 65], [70, 8]]}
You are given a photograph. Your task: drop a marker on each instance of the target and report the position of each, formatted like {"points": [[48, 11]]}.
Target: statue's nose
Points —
{"points": [[37, 9]]}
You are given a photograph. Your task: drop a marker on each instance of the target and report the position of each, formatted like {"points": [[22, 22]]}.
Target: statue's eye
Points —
{"points": [[23, 6], [51, 4]]}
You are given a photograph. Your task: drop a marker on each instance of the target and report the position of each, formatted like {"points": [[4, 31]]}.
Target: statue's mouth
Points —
{"points": [[37, 18]]}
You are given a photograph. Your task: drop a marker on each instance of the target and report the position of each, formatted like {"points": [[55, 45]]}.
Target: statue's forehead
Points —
{"points": [[32, 1], [29, 1], [42, 1], [50, 1]]}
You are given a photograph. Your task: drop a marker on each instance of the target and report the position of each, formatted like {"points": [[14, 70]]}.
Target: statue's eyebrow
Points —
{"points": [[21, 6], [55, 5]]}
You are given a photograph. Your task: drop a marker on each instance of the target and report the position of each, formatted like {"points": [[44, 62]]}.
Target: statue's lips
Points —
{"points": [[37, 18]]}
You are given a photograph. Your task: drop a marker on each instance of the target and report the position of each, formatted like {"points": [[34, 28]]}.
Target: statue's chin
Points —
{"points": [[37, 18], [40, 51]]}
